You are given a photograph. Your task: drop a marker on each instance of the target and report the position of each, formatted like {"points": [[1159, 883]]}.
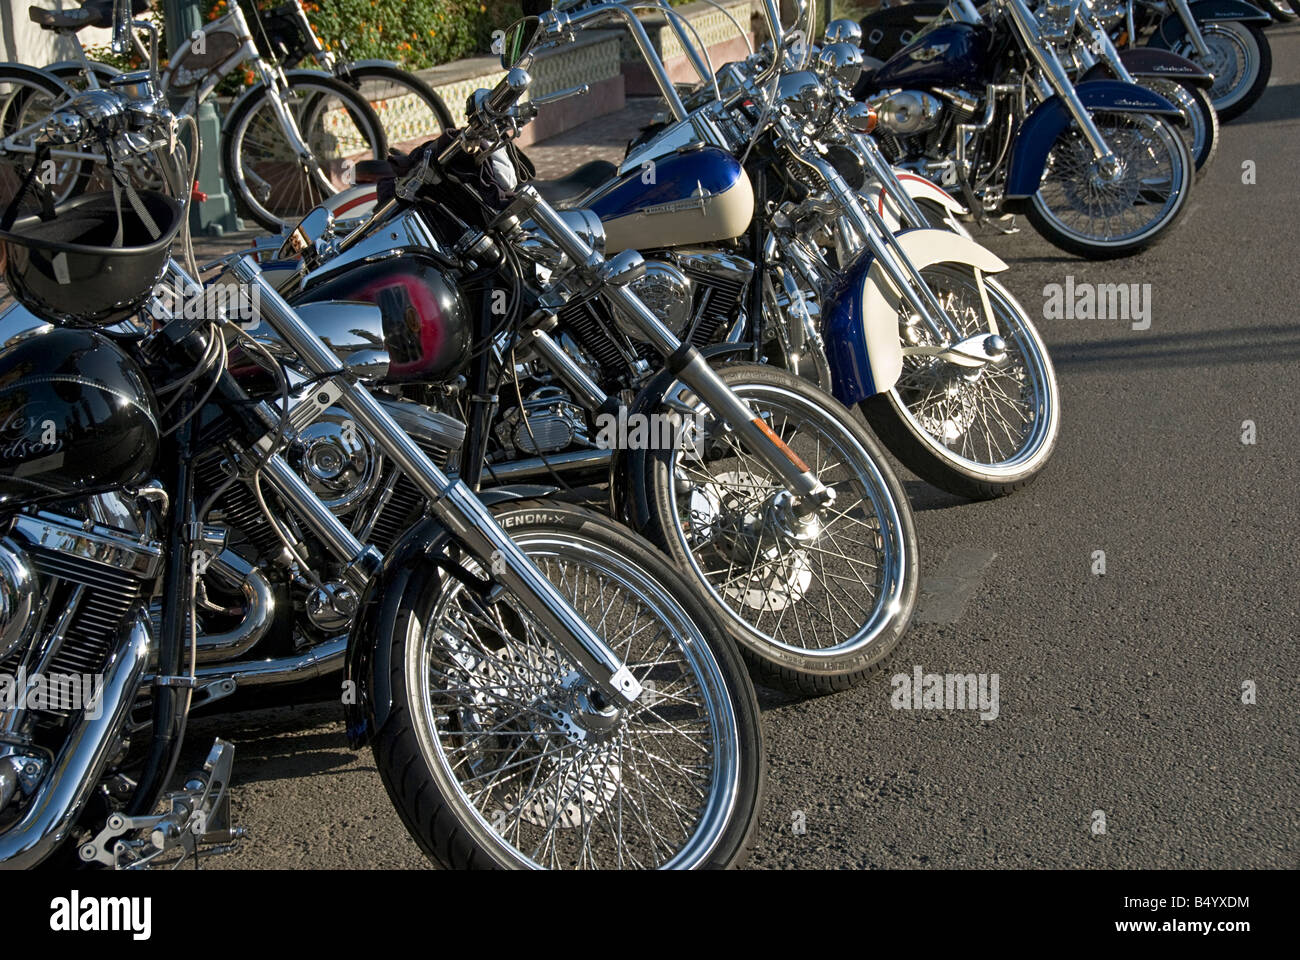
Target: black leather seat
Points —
{"points": [[577, 184], [92, 13]]}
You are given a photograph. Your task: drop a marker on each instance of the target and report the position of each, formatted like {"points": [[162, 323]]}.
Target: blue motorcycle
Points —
{"points": [[985, 106]]}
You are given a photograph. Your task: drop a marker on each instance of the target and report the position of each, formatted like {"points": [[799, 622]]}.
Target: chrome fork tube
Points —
{"points": [[889, 181], [452, 502], [1184, 11], [1045, 58], [884, 246], [683, 359]]}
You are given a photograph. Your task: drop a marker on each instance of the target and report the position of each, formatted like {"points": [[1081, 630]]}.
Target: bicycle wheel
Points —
{"points": [[410, 110], [27, 98], [275, 183], [498, 755]]}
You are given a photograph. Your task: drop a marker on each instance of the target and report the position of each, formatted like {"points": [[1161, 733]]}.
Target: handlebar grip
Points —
{"points": [[506, 93]]}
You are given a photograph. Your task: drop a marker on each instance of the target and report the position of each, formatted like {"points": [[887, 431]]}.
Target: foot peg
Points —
{"points": [[197, 822]]}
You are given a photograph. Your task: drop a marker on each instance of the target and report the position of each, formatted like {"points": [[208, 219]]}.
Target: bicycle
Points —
{"points": [[288, 142]]}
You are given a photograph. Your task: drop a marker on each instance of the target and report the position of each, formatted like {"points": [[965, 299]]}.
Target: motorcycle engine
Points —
{"points": [[72, 587]]}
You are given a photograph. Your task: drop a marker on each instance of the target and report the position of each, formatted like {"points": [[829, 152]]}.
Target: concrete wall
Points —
{"points": [[24, 42]]}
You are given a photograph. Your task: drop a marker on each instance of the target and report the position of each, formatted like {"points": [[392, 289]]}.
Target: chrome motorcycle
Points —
{"points": [[170, 494], [816, 588], [948, 369], [1099, 169]]}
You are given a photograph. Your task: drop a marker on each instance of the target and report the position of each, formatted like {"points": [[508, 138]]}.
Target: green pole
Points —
{"points": [[216, 215]]}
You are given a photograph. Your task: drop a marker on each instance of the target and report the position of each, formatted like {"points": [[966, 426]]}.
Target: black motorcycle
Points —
{"points": [[179, 524]]}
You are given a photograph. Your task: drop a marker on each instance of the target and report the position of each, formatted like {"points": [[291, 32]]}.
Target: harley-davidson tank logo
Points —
{"points": [[926, 54], [696, 201], [23, 437]]}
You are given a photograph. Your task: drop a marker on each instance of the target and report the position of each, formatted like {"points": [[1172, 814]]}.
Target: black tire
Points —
{"points": [[1209, 117], [912, 441], [18, 86], [313, 89], [455, 836], [1102, 249], [359, 78], [1248, 33], [809, 670]]}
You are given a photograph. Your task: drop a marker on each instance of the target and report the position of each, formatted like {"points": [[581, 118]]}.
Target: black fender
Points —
{"points": [[1039, 130], [1153, 62], [625, 501], [415, 565], [1171, 29]]}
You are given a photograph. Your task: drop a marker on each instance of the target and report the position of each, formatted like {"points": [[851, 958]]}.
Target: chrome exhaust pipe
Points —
{"points": [[259, 604], [319, 660], [76, 770]]}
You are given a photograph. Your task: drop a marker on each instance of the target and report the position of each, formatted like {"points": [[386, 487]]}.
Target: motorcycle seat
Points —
{"points": [[92, 13], [577, 184]]}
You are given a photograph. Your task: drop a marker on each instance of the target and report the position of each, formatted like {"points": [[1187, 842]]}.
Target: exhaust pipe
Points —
{"points": [[76, 770], [319, 660], [259, 605]]}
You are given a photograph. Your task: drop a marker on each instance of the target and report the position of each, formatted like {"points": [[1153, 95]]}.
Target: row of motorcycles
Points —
{"points": [[357, 450]]}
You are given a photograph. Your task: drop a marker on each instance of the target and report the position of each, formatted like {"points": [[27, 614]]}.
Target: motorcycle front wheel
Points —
{"points": [[498, 754], [1240, 59], [1101, 214], [975, 431], [815, 602], [1201, 128]]}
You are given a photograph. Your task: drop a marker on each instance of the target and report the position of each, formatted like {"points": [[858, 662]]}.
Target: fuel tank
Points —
{"points": [[426, 327], [77, 415], [697, 195], [952, 54]]}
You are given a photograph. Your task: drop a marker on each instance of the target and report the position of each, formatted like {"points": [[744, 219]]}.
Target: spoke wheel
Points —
{"points": [[274, 184], [814, 602], [1099, 213], [510, 759], [982, 431]]}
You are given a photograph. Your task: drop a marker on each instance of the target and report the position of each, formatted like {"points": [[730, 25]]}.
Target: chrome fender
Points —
{"points": [[861, 327]]}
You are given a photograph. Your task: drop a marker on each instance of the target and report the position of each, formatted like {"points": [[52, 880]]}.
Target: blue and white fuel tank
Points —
{"points": [[700, 194]]}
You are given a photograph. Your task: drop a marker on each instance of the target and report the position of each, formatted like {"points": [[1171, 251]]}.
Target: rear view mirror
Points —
{"points": [[517, 41]]}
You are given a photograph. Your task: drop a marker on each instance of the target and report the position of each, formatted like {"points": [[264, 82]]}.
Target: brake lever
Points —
{"points": [[580, 90]]}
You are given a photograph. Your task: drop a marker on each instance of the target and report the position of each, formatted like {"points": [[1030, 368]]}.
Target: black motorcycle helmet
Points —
{"points": [[94, 261]]}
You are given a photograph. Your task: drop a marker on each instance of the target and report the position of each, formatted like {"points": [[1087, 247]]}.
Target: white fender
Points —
{"points": [[880, 307], [354, 203], [919, 188]]}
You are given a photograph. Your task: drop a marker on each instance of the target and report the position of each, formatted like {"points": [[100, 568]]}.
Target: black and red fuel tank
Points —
{"points": [[426, 322], [77, 415]]}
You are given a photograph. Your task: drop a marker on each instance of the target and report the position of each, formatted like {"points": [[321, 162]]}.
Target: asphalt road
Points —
{"points": [[1119, 693]]}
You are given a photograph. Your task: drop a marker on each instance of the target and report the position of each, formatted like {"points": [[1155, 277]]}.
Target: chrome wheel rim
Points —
{"points": [[1194, 130], [545, 775], [821, 590], [1233, 60], [998, 418], [1150, 184]]}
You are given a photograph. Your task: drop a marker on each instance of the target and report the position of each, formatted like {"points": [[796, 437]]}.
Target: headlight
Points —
{"points": [[1057, 16], [804, 94], [844, 31], [840, 64]]}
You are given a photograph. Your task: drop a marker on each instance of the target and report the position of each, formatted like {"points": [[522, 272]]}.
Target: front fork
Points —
{"points": [[451, 502], [1184, 11], [683, 359], [1044, 56], [899, 270], [276, 88]]}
